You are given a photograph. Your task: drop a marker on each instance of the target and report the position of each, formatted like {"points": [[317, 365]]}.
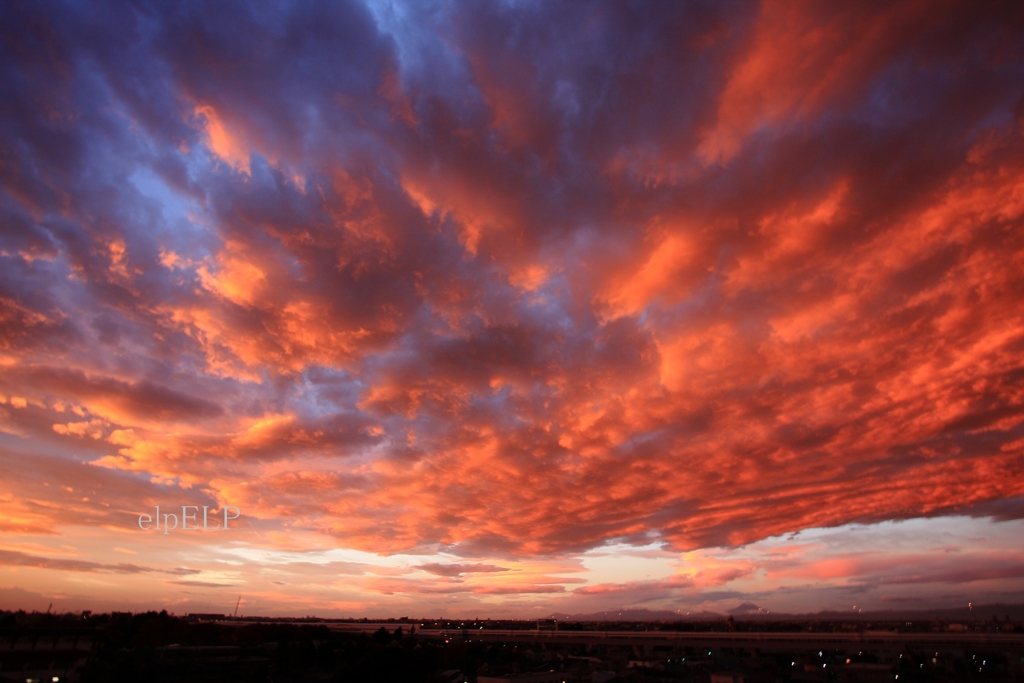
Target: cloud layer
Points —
{"points": [[512, 281]]}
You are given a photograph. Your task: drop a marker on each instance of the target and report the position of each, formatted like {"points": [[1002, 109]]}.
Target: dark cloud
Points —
{"points": [[142, 400], [459, 569], [1000, 510], [204, 584], [20, 559]]}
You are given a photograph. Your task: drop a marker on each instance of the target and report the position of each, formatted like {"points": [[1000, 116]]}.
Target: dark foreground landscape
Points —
{"points": [[155, 646]]}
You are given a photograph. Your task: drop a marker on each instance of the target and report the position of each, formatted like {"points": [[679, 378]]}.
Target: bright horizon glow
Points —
{"points": [[868, 566]]}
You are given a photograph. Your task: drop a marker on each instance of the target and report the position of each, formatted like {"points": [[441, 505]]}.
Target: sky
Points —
{"points": [[500, 309]]}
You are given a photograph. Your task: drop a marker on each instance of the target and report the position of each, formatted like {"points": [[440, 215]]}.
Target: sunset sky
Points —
{"points": [[509, 308]]}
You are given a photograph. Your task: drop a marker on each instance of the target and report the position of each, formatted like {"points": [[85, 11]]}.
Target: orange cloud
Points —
{"points": [[223, 141]]}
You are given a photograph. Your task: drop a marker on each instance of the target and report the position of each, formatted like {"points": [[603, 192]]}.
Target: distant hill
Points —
{"points": [[639, 615], [980, 613], [748, 608], [750, 611]]}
